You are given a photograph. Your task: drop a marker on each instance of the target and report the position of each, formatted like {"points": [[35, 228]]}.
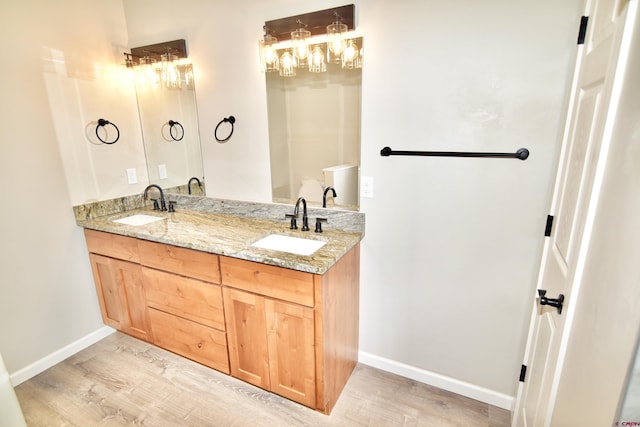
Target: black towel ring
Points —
{"points": [[173, 124], [229, 119], [102, 123]]}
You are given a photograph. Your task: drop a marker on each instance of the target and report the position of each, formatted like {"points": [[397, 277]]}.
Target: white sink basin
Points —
{"points": [[138, 219], [293, 245]]}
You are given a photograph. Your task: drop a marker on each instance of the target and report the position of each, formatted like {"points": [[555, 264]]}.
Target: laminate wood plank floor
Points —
{"points": [[123, 381]]}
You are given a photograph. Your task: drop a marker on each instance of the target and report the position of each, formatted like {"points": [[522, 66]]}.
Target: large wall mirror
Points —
{"points": [[169, 121], [314, 135]]}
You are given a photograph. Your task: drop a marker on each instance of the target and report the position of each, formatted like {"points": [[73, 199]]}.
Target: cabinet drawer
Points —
{"points": [[183, 261], [112, 245], [277, 282], [190, 298], [189, 339]]}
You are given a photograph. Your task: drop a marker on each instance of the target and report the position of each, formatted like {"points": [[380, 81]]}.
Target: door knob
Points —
{"points": [[553, 302]]}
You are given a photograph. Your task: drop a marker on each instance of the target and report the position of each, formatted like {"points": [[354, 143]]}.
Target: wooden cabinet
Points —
{"points": [[187, 317], [287, 331], [166, 295], [246, 325], [291, 344], [271, 344], [291, 332], [121, 295]]}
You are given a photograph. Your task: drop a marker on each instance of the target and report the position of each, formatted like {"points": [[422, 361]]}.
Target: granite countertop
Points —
{"points": [[232, 235]]}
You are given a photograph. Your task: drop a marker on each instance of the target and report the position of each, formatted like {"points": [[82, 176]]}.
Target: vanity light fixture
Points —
{"points": [[161, 65], [299, 42]]}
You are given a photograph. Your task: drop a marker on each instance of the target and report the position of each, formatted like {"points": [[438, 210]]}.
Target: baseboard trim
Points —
{"points": [[446, 383], [58, 356]]}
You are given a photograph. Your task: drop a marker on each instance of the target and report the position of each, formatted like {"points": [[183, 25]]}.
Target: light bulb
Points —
{"points": [[287, 65], [350, 55], [299, 45], [335, 41], [317, 62], [268, 55]]}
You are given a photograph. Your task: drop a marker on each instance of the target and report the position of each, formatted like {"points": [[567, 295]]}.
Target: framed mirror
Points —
{"points": [[165, 91], [314, 135]]}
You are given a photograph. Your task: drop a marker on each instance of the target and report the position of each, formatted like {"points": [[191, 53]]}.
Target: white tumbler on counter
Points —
{"points": [[10, 412]]}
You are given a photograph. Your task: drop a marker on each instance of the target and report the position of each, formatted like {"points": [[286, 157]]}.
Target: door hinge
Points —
{"points": [[582, 32], [523, 373], [549, 226]]}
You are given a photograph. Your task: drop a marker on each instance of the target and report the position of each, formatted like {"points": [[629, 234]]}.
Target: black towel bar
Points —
{"points": [[521, 154]]}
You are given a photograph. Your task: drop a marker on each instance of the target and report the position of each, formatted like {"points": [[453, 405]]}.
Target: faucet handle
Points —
{"points": [[294, 223], [172, 204], [156, 206], [319, 222]]}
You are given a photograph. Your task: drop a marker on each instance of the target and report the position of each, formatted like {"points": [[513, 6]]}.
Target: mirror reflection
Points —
{"points": [[314, 135], [169, 122]]}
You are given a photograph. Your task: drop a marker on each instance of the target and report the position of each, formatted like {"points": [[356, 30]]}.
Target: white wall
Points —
{"points": [[48, 297], [452, 246]]}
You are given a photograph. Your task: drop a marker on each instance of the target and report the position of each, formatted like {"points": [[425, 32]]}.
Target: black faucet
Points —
{"points": [[189, 183], [305, 218], [324, 195], [163, 204]]}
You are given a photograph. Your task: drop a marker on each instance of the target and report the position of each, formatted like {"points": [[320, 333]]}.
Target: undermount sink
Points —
{"points": [[138, 219], [293, 245]]}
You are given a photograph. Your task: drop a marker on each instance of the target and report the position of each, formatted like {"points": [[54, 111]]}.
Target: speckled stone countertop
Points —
{"points": [[229, 228]]}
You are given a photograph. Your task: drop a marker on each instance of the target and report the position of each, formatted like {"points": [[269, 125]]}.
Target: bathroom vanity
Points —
{"points": [[193, 284]]}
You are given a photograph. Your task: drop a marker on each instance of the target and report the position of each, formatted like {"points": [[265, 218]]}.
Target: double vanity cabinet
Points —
{"points": [[291, 332]]}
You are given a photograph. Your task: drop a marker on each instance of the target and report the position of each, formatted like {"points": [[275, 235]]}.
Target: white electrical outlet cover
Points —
{"points": [[162, 171], [132, 176]]}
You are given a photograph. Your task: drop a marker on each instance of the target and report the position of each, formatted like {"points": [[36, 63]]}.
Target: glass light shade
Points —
{"points": [[300, 47], [148, 72], [187, 74], [351, 55], [269, 61], [317, 62], [335, 41], [170, 75], [287, 65]]}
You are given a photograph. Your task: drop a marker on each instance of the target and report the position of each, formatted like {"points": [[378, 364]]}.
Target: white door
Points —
{"points": [[578, 181]]}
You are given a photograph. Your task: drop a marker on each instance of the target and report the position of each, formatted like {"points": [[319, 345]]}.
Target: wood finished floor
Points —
{"points": [[124, 381]]}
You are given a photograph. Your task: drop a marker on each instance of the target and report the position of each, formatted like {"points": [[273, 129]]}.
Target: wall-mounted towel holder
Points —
{"points": [[521, 154], [173, 128], [103, 123], [229, 119]]}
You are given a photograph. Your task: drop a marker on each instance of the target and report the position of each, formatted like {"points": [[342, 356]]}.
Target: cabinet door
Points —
{"points": [[247, 337], [121, 295], [291, 348]]}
